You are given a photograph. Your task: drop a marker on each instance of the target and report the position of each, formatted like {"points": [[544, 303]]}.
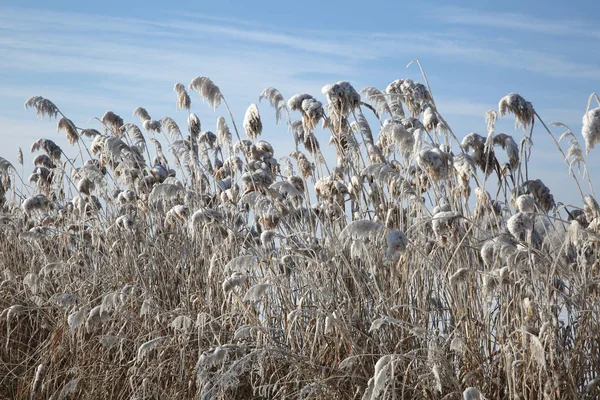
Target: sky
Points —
{"points": [[89, 59]]}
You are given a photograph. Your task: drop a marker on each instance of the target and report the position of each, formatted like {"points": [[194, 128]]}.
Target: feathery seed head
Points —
{"points": [[415, 95], [430, 118], [152, 125], [435, 162], [591, 208], [252, 123], [540, 192], [44, 160], [520, 224], [112, 121], [68, 126], [511, 147], [38, 202], [142, 113], [525, 203], [490, 119], [375, 96], [396, 244], [275, 99], [311, 109], [395, 94], [342, 99], [208, 91], [194, 124], [49, 147], [43, 106], [591, 128], [86, 186], [183, 98], [515, 104], [223, 133], [184, 101], [178, 88], [472, 393]]}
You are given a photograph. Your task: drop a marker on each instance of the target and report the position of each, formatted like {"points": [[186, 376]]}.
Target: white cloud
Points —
{"points": [[513, 21]]}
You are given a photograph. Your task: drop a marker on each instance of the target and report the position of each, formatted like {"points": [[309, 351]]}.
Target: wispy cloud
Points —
{"points": [[512, 21]]}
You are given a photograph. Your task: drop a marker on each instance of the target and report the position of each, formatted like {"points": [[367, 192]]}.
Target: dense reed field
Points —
{"points": [[168, 262]]}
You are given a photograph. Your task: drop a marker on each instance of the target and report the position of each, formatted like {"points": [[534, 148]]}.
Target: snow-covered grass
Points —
{"points": [[158, 261]]}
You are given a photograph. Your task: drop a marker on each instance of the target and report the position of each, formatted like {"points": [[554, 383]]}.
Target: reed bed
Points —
{"points": [[167, 262]]}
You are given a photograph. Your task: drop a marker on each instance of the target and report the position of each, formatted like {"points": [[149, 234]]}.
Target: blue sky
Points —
{"points": [[89, 60]]}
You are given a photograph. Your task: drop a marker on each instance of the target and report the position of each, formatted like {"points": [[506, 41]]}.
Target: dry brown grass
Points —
{"points": [[222, 272]]}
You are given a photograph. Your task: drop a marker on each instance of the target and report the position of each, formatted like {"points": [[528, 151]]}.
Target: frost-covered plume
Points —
{"points": [[446, 227], [465, 166], [361, 126], [472, 393], [394, 90], [393, 134], [52, 149], [267, 238], [38, 379], [142, 113], [435, 162], [252, 123], [194, 125], [66, 125], [148, 346], [375, 154], [113, 122], [126, 196], [430, 118], [223, 133], [35, 203], [152, 126], [183, 98], [276, 100], [86, 186], [135, 134], [170, 127], [540, 192], [374, 95], [515, 104], [342, 100], [591, 210], [484, 204], [234, 280], [396, 245], [490, 119], [43, 107], [365, 230], [521, 225], [331, 189], [483, 157], [310, 108], [415, 95], [257, 292], [512, 148], [43, 178], [208, 139], [305, 167], [208, 91], [591, 128], [525, 203], [124, 223]]}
